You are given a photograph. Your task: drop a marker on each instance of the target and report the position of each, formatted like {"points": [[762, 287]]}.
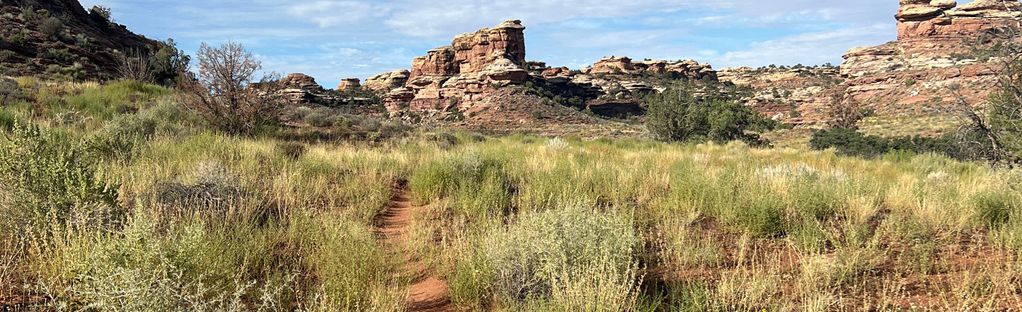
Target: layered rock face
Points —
{"points": [[467, 75], [688, 69], [929, 19], [933, 54], [797, 96], [300, 88], [459, 74]]}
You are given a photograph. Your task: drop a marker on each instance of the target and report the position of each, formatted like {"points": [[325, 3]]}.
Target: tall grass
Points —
{"points": [[147, 210]]}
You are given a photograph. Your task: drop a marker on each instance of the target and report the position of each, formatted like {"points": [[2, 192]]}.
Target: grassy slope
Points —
{"points": [[210, 222]]}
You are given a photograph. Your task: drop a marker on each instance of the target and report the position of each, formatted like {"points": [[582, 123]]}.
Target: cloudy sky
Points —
{"points": [[332, 39]]}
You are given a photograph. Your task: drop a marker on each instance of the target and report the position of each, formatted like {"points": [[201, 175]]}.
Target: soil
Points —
{"points": [[427, 291]]}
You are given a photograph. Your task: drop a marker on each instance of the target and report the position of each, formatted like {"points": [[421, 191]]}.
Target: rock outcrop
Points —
{"points": [[464, 76], [797, 95], [387, 81], [929, 19], [60, 38], [349, 84], [300, 88], [460, 74], [933, 54], [687, 69]]}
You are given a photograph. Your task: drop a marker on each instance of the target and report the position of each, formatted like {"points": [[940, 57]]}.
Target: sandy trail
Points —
{"points": [[427, 292]]}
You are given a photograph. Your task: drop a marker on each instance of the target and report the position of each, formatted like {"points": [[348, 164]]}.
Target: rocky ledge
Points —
{"points": [[934, 53]]}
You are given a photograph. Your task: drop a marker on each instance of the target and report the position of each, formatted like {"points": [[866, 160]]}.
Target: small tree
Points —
{"points": [[845, 113], [678, 115], [223, 90], [168, 63]]}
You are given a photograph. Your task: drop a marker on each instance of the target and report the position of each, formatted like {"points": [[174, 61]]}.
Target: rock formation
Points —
{"points": [[915, 74], [929, 19], [349, 84], [465, 76], [460, 74], [797, 95], [387, 81], [300, 88]]}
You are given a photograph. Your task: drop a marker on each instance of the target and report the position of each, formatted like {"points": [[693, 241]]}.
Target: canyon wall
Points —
{"points": [[935, 53]]}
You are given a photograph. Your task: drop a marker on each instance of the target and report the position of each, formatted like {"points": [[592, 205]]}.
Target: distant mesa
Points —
{"points": [[465, 75]]}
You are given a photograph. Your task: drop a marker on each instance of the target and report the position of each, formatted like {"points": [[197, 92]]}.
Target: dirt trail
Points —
{"points": [[427, 292]]}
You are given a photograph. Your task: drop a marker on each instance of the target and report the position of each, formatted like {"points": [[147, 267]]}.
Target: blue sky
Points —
{"points": [[333, 39]]}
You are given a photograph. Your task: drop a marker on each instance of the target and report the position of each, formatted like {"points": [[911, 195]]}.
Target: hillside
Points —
{"points": [[59, 38]]}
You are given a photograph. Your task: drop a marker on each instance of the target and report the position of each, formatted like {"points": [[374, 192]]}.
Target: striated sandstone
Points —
{"points": [[915, 74]]}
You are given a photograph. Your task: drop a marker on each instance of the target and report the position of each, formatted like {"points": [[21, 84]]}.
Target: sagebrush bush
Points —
{"points": [[53, 179], [119, 138], [10, 92], [572, 258]]}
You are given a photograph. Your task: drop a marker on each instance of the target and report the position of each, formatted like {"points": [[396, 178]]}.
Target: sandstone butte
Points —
{"points": [[910, 76]]}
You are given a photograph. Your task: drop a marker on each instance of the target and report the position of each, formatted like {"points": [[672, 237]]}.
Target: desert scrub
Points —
{"points": [[565, 259], [51, 179]]}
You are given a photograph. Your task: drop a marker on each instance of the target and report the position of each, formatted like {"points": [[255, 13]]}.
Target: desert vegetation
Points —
{"points": [[117, 197]]}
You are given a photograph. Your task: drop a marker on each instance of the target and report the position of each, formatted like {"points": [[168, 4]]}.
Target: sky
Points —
{"points": [[335, 39]]}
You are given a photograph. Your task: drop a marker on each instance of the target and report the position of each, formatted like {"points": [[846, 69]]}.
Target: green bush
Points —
{"points": [[120, 137], [964, 145], [51, 27], [480, 184], [53, 179], [677, 115]]}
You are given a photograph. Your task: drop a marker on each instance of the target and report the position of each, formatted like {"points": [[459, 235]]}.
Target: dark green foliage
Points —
{"points": [[677, 115], [964, 145], [52, 178], [168, 63]]}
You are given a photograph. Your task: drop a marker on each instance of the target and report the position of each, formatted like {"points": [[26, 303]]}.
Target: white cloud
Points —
{"points": [[808, 48]]}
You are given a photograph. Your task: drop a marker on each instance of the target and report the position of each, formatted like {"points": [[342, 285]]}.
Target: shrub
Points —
{"points": [[677, 115], [995, 209], [51, 27], [480, 184], [53, 180], [224, 92], [574, 258], [10, 92], [964, 145]]}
